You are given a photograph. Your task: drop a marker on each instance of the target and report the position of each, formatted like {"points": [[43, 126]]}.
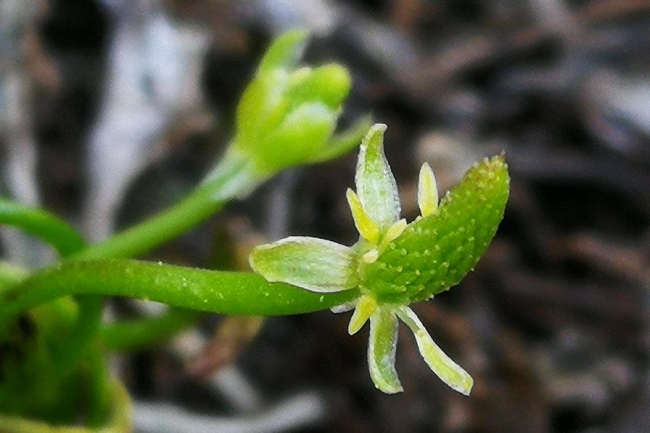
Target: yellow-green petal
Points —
{"points": [[313, 264], [427, 191], [364, 309], [443, 366], [364, 224]]}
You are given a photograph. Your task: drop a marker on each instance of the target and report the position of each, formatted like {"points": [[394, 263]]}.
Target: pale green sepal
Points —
{"points": [[301, 134], [427, 191], [381, 351], [285, 52], [375, 183], [313, 264], [443, 366], [365, 307], [343, 142], [261, 109]]}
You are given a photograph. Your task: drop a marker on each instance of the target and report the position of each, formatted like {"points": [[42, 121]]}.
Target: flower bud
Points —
{"points": [[288, 114]]}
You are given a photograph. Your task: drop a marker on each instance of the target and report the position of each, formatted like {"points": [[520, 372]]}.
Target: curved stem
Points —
{"points": [[10, 274], [66, 241], [88, 321], [43, 225], [231, 178], [234, 293], [144, 332]]}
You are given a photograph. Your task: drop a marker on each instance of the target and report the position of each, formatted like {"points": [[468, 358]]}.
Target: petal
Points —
{"points": [[365, 308], [427, 191], [364, 224], [313, 264], [376, 185], [381, 351], [446, 369]]}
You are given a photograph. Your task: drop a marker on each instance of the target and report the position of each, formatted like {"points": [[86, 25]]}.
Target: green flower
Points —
{"points": [[394, 263]]}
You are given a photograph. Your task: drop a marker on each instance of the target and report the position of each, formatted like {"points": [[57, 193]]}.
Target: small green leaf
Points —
{"points": [[313, 264]]}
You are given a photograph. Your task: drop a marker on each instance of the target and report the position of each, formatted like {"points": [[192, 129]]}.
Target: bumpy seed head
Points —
{"points": [[435, 252]]}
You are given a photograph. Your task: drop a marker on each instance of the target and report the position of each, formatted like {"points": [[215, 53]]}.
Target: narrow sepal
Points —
{"points": [[381, 351], [313, 264], [443, 366], [375, 183]]}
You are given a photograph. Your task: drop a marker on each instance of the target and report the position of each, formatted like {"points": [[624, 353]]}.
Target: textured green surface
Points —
{"points": [[434, 253]]}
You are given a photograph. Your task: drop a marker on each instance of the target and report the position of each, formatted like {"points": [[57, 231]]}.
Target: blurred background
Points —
{"points": [[111, 110]]}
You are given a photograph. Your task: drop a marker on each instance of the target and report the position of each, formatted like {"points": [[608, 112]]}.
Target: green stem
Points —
{"points": [[233, 293], [66, 241], [41, 224], [145, 332], [10, 274], [74, 348], [231, 178], [97, 389]]}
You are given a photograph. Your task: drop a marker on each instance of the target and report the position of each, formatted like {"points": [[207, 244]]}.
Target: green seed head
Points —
{"points": [[435, 252], [394, 263]]}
